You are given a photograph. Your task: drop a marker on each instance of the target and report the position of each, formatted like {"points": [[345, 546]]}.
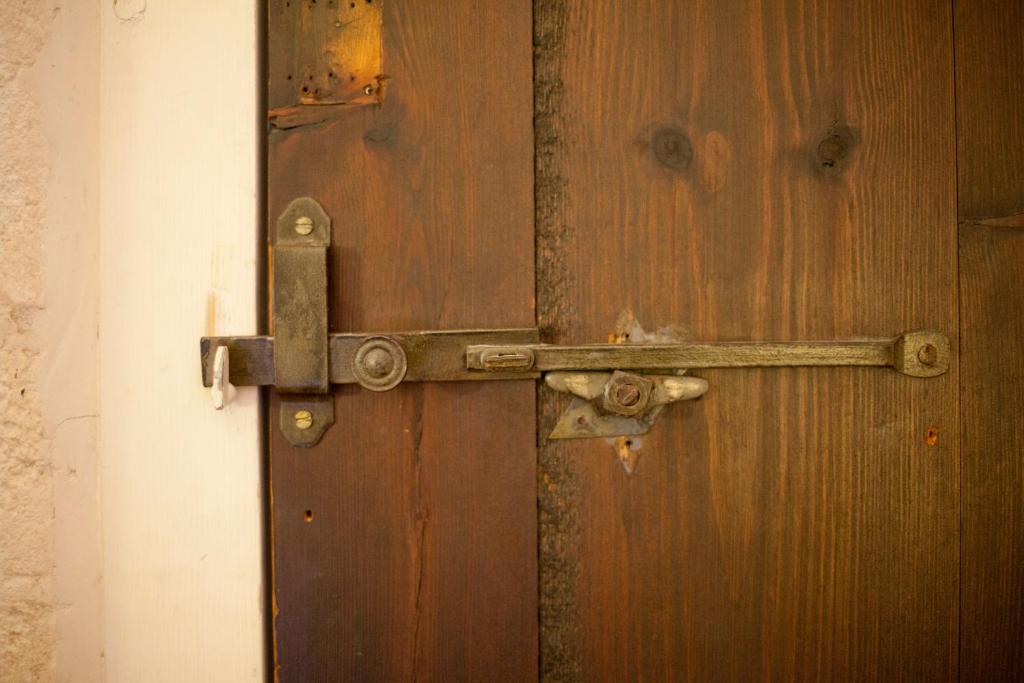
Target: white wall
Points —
{"points": [[178, 215]]}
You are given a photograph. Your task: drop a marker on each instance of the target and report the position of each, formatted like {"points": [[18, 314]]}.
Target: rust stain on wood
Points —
{"points": [[323, 58], [211, 314]]}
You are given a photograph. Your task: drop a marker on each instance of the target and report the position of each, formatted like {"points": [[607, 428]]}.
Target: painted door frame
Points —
{"points": [[179, 258]]}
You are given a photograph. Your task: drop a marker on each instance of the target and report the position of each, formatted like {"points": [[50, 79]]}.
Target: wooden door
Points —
{"points": [[737, 170]]}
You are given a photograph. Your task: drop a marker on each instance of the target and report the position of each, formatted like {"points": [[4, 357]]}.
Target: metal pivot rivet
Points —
{"points": [[304, 225], [928, 354], [379, 364], [303, 419]]}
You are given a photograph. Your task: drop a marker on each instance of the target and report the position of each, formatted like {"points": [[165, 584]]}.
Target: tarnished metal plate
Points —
{"points": [[922, 354], [582, 420], [304, 419], [300, 299]]}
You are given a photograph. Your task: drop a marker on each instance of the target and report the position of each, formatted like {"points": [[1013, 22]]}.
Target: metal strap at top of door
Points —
{"points": [[619, 389]]}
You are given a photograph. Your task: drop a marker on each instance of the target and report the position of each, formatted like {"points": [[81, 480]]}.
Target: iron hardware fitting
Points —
{"points": [[618, 389]]}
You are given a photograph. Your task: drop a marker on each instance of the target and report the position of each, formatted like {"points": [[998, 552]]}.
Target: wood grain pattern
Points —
{"points": [[990, 158], [752, 170], [405, 543], [992, 404], [327, 56], [989, 108]]}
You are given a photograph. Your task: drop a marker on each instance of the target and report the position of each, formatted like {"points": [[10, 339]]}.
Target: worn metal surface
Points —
{"points": [[300, 298], [903, 354], [921, 354], [431, 356], [300, 353], [305, 418], [457, 355], [380, 364]]}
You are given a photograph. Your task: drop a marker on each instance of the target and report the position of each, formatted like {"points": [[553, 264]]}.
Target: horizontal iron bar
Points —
{"points": [[432, 356], [919, 354]]}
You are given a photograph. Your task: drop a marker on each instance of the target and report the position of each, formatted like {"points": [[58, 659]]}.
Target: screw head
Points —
{"points": [[928, 354], [627, 394], [304, 225], [303, 419]]}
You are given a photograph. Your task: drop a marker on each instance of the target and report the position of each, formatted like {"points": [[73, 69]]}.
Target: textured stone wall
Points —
{"points": [[49, 538], [26, 489]]}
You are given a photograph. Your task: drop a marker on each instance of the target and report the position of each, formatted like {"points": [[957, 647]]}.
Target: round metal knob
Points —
{"points": [[380, 364]]}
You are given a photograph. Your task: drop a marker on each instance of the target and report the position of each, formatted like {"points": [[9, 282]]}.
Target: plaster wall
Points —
{"points": [[130, 540], [49, 526]]}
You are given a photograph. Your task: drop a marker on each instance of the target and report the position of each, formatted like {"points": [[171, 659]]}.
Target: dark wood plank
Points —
{"points": [[752, 170], [989, 108], [992, 400], [990, 158], [418, 559]]}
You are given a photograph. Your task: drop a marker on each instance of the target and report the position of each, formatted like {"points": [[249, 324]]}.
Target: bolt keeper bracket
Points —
{"points": [[299, 321], [302, 359]]}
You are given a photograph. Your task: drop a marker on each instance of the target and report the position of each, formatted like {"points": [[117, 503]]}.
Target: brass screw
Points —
{"points": [[368, 90], [303, 419], [627, 394], [304, 225], [928, 354]]}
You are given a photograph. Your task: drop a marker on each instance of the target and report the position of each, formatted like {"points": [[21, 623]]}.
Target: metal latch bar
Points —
{"points": [[918, 354]]}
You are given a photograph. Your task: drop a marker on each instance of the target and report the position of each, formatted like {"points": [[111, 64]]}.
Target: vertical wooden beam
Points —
{"points": [[752, 170], [990, 158], [405, 542]]}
